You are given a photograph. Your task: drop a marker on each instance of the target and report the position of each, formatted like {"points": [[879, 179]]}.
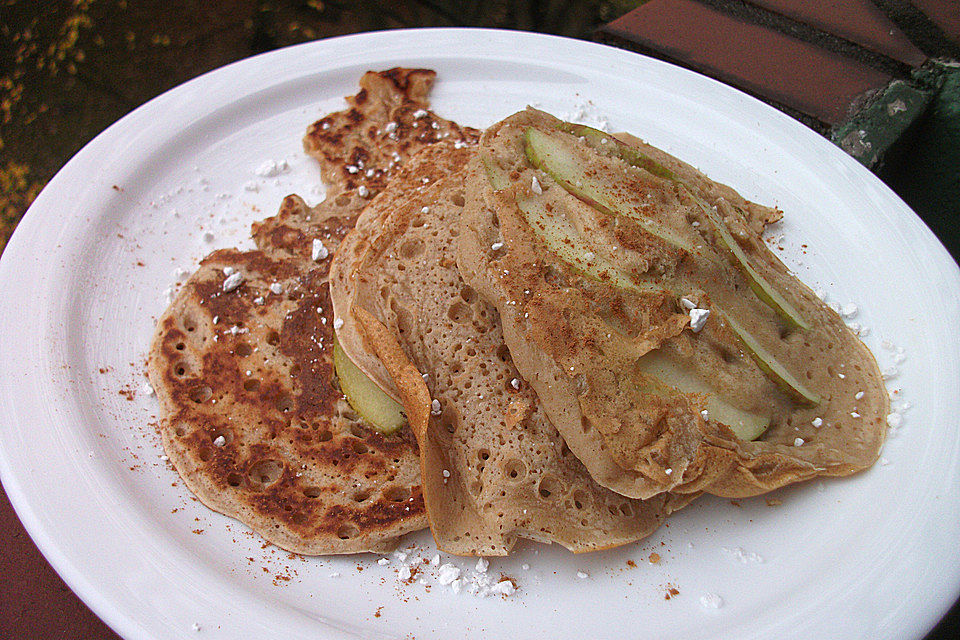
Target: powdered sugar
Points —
{"points": [[585, 112], [272, 168], [740, 555], [414, 568], [711, 601]]}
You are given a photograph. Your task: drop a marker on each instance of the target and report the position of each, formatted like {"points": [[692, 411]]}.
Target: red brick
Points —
{"points": [[764, 62], [945, 13], [859, 21]]}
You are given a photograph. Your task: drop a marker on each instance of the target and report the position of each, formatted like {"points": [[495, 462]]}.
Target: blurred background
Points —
{"points": [[70, 68]]}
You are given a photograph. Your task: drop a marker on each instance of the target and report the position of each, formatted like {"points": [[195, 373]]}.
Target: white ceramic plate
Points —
{"points": [[84, 278]]}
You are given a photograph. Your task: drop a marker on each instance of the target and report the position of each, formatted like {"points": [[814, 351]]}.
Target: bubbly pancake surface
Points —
{"points": [[494, 467]]}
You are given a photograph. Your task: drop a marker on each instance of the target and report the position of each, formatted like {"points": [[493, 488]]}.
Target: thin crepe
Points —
{"points": [[251, 414], [578, 339]]}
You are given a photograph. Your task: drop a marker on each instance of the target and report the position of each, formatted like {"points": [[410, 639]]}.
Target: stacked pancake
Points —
{"points": [[555, 334]]}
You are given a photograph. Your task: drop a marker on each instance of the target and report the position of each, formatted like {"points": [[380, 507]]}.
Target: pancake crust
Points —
{"points": [[253, 420], [494, 468], [386, 122], [578, 339]]}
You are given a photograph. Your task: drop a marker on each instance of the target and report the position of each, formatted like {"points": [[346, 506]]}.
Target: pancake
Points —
{"points": [[599, 260], [358, 138], [360, 148], [495, 469], [252, 417], [296, 463], [420, 173]]}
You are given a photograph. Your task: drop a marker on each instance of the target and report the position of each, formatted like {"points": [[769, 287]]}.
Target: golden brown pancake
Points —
{"points": [[578, 327], [386, 122], [253, 419], [253, 366]]}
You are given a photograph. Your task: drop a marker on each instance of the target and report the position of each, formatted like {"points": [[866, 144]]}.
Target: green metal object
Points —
{"points": [[885, 119], [924, 169]]}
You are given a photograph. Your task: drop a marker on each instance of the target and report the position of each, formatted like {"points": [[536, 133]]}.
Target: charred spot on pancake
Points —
{"points": [[386, 122], [293, 230], [253, 420], [415, 84], [353, 116]]}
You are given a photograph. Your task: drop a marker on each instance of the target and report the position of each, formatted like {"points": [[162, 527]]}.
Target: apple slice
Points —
{"points": [[498, 177], [744, 424], [383, 412], [628, 154], [565, 163], [560, 236], [772, 367], [563, 240], [758, 284]]}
